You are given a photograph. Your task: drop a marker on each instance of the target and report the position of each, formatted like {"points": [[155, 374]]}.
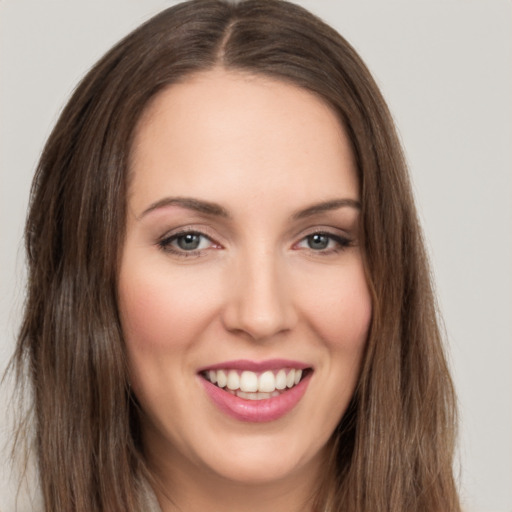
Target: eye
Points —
{"points": [[186, 242], [323, 242]]}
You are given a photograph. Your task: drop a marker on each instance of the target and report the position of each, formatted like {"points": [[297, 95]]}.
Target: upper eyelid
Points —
{"points": [[334, 236], [183, 230], [166, 243], [340, 236], [178, 234], [328, 230], [216, 238]]}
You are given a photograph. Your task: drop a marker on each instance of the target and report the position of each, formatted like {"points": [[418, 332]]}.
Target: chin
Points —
{"points": [[265, 461], [247, 471]]}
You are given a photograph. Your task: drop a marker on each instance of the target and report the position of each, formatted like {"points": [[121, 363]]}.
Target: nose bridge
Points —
{"points": [[260, 305]]}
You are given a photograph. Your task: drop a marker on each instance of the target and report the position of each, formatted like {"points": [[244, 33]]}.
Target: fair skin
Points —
{"points": [[241, 245]]}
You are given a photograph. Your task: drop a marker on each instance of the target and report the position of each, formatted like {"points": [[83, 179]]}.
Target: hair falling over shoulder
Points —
{"points": [[393, 450]]}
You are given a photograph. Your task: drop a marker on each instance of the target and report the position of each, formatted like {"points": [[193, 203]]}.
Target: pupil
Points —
{"points": [[189, 242], [318, 241]]}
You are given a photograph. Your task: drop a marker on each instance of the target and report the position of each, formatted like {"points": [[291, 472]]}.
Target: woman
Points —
{"points": [[229, 300]]}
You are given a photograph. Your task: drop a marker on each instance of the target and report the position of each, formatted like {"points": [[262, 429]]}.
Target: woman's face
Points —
{"points": [[242, 269]]}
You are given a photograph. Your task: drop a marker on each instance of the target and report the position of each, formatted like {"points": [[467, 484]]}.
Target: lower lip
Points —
{"points": [[256, 411]]}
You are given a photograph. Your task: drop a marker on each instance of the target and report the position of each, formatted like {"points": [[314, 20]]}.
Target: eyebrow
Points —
{"points": [[216, 210], [189, 203], [326, 206]]}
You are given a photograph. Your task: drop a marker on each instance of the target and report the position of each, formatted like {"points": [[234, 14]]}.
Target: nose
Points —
{"points": [[260, 303]]}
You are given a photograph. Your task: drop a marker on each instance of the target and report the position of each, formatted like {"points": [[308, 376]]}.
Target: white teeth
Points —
{"points": [[249, 382], [281, 379], [254, 396], [290, 379], [250, 386], [233, 380], [222, 379], [267, 382]]}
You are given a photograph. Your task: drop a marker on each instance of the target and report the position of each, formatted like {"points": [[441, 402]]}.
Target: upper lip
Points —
{"points": [[256, 366]]}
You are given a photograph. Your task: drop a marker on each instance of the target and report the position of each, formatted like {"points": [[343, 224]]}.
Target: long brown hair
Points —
{"points": [[393, 449]]}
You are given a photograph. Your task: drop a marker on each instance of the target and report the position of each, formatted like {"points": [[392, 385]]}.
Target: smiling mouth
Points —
{"points": [[251, 385]]}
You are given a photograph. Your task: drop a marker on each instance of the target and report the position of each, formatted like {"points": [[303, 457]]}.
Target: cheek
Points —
{"points": [[163, 315], [339, 308], [162, 310]]}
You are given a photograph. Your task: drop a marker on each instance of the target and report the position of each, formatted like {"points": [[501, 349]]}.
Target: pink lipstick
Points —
{"points": [[254, 391]]}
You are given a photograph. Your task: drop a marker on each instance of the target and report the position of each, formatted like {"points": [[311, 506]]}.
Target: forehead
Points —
{"points": [[220, 131]]}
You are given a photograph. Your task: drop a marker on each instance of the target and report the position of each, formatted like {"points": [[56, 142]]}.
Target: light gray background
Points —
{"points": [[445, 69]]}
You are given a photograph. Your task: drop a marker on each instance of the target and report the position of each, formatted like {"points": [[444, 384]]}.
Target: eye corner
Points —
{"points": [[323, 242], [187, 242]]}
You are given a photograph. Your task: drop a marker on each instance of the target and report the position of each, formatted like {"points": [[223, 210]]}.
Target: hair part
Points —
{"points": [[393, 449]]}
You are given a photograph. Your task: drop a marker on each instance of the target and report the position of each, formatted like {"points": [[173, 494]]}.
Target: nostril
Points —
{"points": [[260, 326]]}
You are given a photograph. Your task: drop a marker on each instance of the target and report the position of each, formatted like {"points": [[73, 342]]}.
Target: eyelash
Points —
{"points": [[341, 242], [165, 244]]}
